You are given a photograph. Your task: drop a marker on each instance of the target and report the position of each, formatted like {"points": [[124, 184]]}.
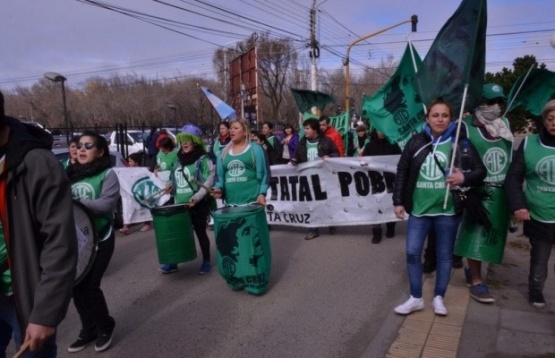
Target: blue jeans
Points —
{"points": [[9, 324], [446, 231]]}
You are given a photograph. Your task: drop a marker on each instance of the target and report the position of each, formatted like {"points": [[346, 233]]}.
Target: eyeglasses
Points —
{"points": [[88, 146]]}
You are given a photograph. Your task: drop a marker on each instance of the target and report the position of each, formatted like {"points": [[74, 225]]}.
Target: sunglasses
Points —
{"points": [[88, 146]]}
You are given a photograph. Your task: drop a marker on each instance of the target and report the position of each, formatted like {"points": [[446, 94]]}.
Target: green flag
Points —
{"points": [[536, 90], [394, 110], [307, 99], [456, 58]]}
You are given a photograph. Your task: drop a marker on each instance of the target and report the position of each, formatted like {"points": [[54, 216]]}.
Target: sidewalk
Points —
{"points": [[508, 328]]}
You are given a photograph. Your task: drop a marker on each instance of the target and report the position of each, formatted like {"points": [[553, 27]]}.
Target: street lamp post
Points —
{"points": [[56, 77], [413, 20], [173, 108]]}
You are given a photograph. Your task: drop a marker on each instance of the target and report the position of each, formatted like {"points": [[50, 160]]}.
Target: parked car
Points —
{"points": [[134, 142], [117, 159]]}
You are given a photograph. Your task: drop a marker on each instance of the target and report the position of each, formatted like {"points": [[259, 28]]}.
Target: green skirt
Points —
{"points": [[244, 255], [476, 242]]}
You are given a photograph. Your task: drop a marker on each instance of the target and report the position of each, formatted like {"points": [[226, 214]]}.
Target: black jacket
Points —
{"points": [[42, 244], [380, 147], [515, 195], [414, 154], [325, 147]]}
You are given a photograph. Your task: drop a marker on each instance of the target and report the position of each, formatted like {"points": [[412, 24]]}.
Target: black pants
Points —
{"points": [[539, 258], [88, 297], [199, 217]]}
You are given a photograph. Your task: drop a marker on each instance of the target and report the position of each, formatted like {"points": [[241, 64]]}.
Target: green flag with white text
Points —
{"points": [[395, 110], [536, 90]]}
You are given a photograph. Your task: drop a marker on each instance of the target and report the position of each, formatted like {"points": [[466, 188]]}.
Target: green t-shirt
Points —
{"points": [[429, 192], [311, 151]]}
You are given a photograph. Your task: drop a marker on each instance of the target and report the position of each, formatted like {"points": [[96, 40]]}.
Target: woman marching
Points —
{"points": [[96, 186], [419, 190], [191, 175], [244, 255]]}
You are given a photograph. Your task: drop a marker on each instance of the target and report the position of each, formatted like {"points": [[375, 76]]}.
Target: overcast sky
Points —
{"points": [[80, 41]]}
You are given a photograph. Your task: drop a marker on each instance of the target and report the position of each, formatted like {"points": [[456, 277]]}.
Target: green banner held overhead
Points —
{"points": [[535, 91], [456, 58], [306, 99], [394, 110]]}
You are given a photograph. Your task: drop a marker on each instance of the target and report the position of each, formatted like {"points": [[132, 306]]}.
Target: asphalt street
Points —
{"points": [[328, 297]]}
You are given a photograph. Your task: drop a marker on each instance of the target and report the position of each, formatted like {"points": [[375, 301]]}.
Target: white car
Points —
{"points": [[134, 142]]}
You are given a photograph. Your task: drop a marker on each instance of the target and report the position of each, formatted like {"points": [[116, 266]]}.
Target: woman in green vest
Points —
{"points": [[96, 186], [191, 175], [244, 254], [419, 191], [534, 163], [165, 159]]}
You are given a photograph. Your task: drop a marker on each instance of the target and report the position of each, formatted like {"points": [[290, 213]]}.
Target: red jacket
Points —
{"points": [[335, 136]]}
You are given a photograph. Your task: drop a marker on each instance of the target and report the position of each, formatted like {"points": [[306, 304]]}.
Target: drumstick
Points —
{"points": [[270, 207], [23, 349]]}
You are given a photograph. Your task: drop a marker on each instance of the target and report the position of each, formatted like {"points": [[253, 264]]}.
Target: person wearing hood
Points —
{"points": [[492, 137], [535, 205], [190, 176], [38, 247], [419, 191]]}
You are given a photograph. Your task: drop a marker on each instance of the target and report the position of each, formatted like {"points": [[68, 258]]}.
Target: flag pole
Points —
{"points": [[518, 89], [459, 124]]}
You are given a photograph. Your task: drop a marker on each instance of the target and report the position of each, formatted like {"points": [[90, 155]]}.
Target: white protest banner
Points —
{"points": [[138, 189], [333, 191], [330, 192]]}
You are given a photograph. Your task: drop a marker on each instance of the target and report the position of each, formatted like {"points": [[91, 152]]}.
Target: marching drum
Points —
{"points": [[86, 240], [244, 254], [173, 230]]}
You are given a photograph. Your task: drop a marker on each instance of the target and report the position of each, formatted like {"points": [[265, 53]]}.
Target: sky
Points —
{"points": [[177, 38]]}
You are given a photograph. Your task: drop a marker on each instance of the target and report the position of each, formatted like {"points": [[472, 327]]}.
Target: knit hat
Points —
{"points": [[493, 91], [549, 106], [191, 133]]}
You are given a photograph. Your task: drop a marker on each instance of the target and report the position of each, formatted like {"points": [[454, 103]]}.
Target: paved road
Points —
{"points": [[329, 297]]}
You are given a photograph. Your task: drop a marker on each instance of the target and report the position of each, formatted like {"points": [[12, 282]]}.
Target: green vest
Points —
{"points": [[166, 162], [429, 192], [539, 162], [241, 184], [311, 151], [496, 154], [91, 188], [6, 279], [217, 149], [184, 179]]}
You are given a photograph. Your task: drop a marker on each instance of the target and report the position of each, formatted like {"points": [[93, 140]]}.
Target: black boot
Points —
{"points": [[390, 230], [377, 235]]}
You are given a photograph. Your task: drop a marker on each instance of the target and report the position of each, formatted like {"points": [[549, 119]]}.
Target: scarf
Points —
{"points": [[77, 172], [448, 132], [191, 157], [488, 117]]}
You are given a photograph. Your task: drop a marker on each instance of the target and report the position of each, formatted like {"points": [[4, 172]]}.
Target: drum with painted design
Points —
{"points": [[244, 254]]}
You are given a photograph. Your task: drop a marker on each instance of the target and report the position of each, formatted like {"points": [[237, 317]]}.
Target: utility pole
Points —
{"points": [[314, 48]]}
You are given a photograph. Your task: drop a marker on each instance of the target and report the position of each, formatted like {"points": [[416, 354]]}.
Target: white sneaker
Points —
{"points": [[439, 307], [411, 305]]}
